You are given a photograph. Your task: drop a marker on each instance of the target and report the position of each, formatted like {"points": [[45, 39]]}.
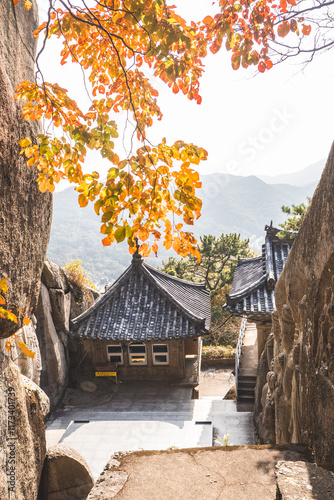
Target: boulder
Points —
{"points": [[25, 212], [66, 475], [42, 398], [22, 436], [55, 369], [82, 299], [30, 367], [54, 276], [61, 309], [303, 480]]}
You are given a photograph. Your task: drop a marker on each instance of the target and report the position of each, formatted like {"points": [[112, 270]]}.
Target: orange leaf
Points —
{"points": [[27, 4], [215, 47], [269, 64], [83, 201], [207, 20], [155, 249], [175, 88], [261, 67], [306, 29], [26, 320]]}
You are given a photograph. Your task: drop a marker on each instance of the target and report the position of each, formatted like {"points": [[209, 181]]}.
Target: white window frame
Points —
{"points": [[109, 354], [134, 355], [155, 354]]}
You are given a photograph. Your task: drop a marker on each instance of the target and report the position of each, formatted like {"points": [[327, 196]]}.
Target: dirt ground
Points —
{"points": [[215, 381], [225, 473]]}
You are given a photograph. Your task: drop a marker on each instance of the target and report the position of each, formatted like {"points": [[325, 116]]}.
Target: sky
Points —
{"points": [[250, 124]]}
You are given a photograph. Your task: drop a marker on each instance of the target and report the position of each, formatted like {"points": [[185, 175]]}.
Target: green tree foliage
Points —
{"points": [[292, 225], [219, 257]]}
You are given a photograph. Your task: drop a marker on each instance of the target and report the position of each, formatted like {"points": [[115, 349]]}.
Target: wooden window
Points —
{"points": [[160, 354], [137, 354], [115, 354]]}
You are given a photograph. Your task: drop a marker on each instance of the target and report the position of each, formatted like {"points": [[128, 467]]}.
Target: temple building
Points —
{"points": [[252, 291], [148, 325]]}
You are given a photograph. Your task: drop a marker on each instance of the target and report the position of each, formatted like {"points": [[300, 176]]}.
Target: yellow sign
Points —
{"points": [[105, 374]]}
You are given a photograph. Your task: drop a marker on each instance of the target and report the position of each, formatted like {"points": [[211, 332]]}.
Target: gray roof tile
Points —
{"points": [[145, 304], [252, 290]]}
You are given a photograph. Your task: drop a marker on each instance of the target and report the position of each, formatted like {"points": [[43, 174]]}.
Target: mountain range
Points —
{"points": [[231, 204]]}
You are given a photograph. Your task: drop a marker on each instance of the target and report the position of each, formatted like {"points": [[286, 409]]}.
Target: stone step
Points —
{"points": [[245, 391], [246, 383]]}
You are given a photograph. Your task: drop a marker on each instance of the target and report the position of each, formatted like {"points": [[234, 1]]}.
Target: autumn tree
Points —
{"points": [[120, 45], [262, 33]]}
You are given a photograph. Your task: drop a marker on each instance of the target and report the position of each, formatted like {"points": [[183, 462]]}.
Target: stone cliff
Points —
{"points": [[295, 387], [25, 213]]}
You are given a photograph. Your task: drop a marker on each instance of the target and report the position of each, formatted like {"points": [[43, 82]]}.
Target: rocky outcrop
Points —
{"points": [[25, 212], [58, 301], [22, 435], [52, 346], [66, 475], [30, 367], [302, 480], [299, 383]]}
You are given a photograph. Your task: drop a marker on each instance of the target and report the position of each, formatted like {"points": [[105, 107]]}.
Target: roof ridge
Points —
{"points": [[165, 292], [245, 259], [244, 291], [175, 278]]}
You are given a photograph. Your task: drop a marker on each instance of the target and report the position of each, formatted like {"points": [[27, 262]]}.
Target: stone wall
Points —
{"points": [[295, 388], [25, 212]]}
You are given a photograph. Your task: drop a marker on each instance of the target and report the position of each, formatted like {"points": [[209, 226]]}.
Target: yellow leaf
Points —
{"points": [[27, 4], [26, 350], [24, 143], [83, 201]]}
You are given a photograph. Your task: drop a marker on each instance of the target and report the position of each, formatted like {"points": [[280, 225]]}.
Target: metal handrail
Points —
{"points": [[238, 350]]}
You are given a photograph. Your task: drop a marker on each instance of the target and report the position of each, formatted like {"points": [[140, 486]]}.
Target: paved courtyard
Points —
{"points": [[148, 416]]}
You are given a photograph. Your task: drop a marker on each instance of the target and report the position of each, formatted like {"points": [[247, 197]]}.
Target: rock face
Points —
{"points": [[299, 383], [296, 480], [30, 367], [66, 475], [55, 369], [58, 301], [22, 435], [25, 213]]}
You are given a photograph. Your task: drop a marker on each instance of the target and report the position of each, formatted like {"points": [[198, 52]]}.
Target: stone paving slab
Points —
{"points": [[140, 416], [96, 441]]}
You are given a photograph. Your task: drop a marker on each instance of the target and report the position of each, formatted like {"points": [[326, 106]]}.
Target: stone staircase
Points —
{"points": [[248, 370]]}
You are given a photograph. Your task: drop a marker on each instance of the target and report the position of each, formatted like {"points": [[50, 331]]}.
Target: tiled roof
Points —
{"points": [[252, 291], [145, 304]]}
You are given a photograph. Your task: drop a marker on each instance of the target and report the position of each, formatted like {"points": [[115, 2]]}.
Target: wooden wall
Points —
{"points": [[175, 370]]}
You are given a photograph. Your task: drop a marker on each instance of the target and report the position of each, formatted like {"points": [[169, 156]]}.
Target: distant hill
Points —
{"points": [[230, 204], [304, 177]]}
